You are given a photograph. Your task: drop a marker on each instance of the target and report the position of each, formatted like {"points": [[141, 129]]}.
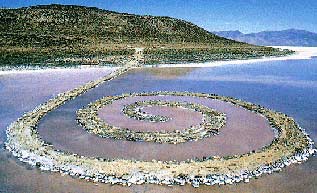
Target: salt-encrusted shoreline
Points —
{"points": [[300, 53], [52, 69], [292, 145]]}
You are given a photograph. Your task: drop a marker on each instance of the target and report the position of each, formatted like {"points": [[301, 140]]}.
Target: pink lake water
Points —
{"points": [[20, 93]]}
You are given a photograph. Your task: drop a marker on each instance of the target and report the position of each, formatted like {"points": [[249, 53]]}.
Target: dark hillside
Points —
{"points": [[59, 33]]}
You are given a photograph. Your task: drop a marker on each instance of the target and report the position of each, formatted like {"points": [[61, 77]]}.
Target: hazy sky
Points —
{"points": [[213, 15]]}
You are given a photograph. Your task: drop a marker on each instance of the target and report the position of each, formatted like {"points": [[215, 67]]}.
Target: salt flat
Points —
{"points": [[300, 53]]}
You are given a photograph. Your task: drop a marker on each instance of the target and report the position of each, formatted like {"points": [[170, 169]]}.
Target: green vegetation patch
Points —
{"points": [[66, 34]]}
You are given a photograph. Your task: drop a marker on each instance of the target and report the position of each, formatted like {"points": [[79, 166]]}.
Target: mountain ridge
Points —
{"points": [[288, 37]]}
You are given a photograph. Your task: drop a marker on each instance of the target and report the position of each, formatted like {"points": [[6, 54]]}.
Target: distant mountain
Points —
{"points": [[229, 34], [290, 37]]}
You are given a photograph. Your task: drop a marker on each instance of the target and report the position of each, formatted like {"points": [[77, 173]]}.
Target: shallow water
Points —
{"points": [[286, 86], [178, 118], [238, 136]]}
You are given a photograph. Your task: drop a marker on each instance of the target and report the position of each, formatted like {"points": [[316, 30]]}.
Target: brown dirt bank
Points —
{"points": [[244, 131]]}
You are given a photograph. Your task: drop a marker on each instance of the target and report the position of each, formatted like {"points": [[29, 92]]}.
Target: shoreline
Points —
{"points": [[304, 53], [300, 53], [53, 69]]}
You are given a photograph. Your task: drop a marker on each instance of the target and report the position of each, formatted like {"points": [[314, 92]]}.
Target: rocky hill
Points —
{"points": [[63, 34]]}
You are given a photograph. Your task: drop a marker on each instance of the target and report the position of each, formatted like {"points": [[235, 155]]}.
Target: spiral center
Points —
{"points": [[201, 121]]}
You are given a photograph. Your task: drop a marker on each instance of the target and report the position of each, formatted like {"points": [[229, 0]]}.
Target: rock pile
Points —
{"points": [[211, 123], [291, 145]]}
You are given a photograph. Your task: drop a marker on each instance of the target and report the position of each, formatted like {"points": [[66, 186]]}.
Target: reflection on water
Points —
{"points": [[261, 79], [298, 101], [168, 73]]}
